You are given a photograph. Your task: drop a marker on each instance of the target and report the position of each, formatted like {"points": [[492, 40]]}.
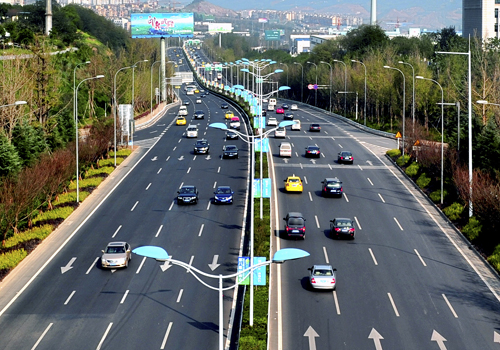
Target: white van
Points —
{"points": [[192, 131], [272, 101], [183, 110], [285, 149]]}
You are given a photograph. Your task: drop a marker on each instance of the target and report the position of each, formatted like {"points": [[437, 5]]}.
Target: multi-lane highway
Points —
{"points": [[75, 304]]}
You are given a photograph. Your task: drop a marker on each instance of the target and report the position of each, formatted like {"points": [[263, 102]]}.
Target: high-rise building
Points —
{"points": [[480, 18]]}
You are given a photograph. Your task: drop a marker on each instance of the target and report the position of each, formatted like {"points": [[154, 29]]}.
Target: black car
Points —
{"points": [[187, 195], [284, 106], [332, 186], [314, 127], [295, 225], [288, 116], [223, 194], [201, 147], [264, 112], [230, 151], [313, 151], [224, 106], [231, 135], [186, 103], [199, 115], [345, 157], [342, 227]]}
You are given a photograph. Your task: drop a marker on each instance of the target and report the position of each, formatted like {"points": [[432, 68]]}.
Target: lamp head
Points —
{"points": [[221, 126], [289, 254], [483, 102]]}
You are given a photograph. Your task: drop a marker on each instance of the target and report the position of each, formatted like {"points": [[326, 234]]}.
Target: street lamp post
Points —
{"points": [[364, 110], [286, 65], [413, 97], [345, 84], [116, 107], [352, 92], [315, 90], [74, 88], [442, 131], [404, 105], [302, 85], [331, 77], [17, 103], [133, 75], [161, 255], [76, 132], [152, 85]]}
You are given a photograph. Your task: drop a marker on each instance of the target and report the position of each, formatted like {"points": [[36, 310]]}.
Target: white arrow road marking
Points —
{"points": [[369, 162], [311, 334], [154, 159], [313, 161], [496, 337], [41, 337], [285, 160], [181, 158], [166, 265], [208, 157], [439, 339], [214, 264], [113, 270], [68, 266], [165, 338], [376, 339]]}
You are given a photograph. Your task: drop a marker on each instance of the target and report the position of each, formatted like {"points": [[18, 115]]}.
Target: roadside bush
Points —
{"points": [[423, 181], [110, 162], [10, 259], [436, 195], [70, 197], [250, 343], [35, 233], [58, 213], [125, 152], [454, 211], [401, 161], [104, 170], [412, 170], [393, 153], [90, 182], [494, 259], [473, 229]]}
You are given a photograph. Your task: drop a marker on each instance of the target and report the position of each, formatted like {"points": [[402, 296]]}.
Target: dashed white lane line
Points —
{"points": [[381, 198], [189, 169], [393, 304], [104, 336], [201, 230], [179, 141], [182, 184], [180, 295], [330, 166], [190, 264], [91, 266], [208, 205], [159, 171], [215, 184], [69, 298], [194, 158], [305, 180], [171, 205], [296, 154], [397, 222], [323, 155], [421, 260], [167, 158], [336, 302], [159, 230], [326, 255], [165, 338], [147, 188], [449, 305], [140, 266], [346, 198], [360, 168], [118, 229], [135, 205], [340, 146], [124, 296], [373, 256], [41, 337], [370, 181], [317, 221], [357, 223], [174, 148], [310, 196], [218, 170]]}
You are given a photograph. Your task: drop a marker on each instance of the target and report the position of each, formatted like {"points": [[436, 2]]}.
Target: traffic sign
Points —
{"points": [[398, 135], [310, 86], [417, 143]]}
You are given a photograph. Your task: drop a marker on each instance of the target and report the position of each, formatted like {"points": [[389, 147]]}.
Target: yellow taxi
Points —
{"points": [[229, 115], [180, 121], [196, 91], [293, 184]]}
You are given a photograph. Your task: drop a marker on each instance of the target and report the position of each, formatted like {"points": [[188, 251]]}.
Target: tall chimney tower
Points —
{"points": [[373, 15]]}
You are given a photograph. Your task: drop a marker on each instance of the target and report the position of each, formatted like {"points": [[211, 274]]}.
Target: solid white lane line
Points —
{"points": [[218, 170], [345, 196], [382, 198], [147, 188], [180, 295], [135, 205], [189, 169], [140, 266], [326, 255], [41, 337], [124, 296], [421, 260], [449, 305], [317, 222], [118, 229], [165, 338], [194, 158], [336, 302], [69, 298], [393, 304], [167, 158], [397, 222], [104, 336], [208, 205], [215, 184], [171, 205], [340, 146], [182, 183], [310, 196], [201, 230], [305, 180], [159, 230], [370, 181], [373, 256], [91, 266], [190, 263], [159, 171], [357, 223]]}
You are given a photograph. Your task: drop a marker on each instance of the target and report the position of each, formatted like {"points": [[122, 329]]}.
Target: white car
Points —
{"points": [[285, 149], [182, 110], [272, 121], [294, 107], [198, 101], [280, 132], [296, 126], [192, 131]]}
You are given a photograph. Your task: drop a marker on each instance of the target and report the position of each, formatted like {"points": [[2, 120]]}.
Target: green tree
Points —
{"points": [[29, 142], [10, 163], [359, 41]]}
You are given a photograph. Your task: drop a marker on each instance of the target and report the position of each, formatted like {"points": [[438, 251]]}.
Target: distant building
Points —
{"points": [[480, 18], [320, 39]]}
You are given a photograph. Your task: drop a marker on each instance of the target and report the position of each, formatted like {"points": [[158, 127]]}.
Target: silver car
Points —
{"points": [[322, 277], [116, 254]]}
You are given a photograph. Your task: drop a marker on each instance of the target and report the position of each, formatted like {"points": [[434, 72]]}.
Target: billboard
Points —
{"points": [[263, 20], [157, 25], [272, 35], [220, 27]]}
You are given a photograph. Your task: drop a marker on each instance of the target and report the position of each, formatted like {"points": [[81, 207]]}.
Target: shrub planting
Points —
{"points": [[473, 229], [454, 211], [423, 181], [412, 170]]}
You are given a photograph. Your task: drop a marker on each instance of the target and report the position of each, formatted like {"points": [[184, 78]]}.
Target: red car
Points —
{"points": [[280, 111]]}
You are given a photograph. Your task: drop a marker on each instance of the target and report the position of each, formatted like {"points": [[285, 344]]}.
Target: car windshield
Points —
{"points": [[202, 143], [295, 221], [323, 272], [343, 223], [115, 250], [225, 190], [231, 148], [187, 190], [191, 129]]}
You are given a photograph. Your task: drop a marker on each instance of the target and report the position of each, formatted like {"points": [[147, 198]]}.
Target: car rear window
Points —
{"points": [[343, 223], [295, 221], [333, 185], [323, 273]]}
